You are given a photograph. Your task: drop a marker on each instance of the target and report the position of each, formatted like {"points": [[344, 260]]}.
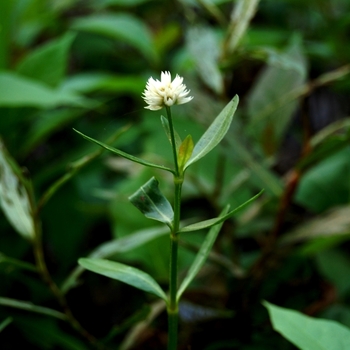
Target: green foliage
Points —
{"points": [[152, 203], [124, 273], [82, 65], [308, 333]]}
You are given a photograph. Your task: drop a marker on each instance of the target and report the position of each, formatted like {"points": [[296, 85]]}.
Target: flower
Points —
{"points": [[165, 92]]}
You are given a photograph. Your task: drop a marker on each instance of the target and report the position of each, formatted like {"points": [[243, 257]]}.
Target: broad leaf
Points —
{"points": [[124, 273], [14, 196], [308, 333], [204, 49], [123, 154], [116, 246], [89, 82], [211, 222], [48, 62], [18, 91], [215, 133], [121, 26], [185, 152], [152, 203], [201, 256], [269, 110], [165, 124]]}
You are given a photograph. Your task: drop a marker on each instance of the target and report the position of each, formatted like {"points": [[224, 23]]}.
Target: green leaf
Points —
{"points": [[126, 3], [211, 222], [121, 26], [185, 152], [116, 246], [215, 133], [152, 203], [326, 184], [18, 91], [334, 223], [124, 273], [204, 49], [28, 306], [308, 333], [201, 256], [334, 265], [84, 83], [165, 124], [48, 62], [269, 106], [240, 18], [15, 263], [123, 154], [14, 196], [261, 175], [5, 323]]}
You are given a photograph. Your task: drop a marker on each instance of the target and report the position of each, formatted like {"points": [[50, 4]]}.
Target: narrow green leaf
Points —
{"points": [[124, 273], [165, 124], [116, 246], [215, 133], [28, 306], [5, 323], [14, 196], [243, 12], [201, 256], [308, 333], [185, 152], [123, 154], [48, 62], [152, 203], [211, 222], [15, 263]]}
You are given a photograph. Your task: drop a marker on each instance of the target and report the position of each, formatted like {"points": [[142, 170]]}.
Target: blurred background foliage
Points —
{"points": [[68, 64]]}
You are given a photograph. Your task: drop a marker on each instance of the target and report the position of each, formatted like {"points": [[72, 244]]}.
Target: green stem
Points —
{"points": [[45, 274], [173, 144], [172, 308]]}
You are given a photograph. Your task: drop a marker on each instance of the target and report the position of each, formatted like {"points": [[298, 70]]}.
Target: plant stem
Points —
{"points": [[172, 308], [45, 274]]}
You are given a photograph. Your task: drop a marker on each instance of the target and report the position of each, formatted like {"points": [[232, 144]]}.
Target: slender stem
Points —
{"points": [[45, 274], [173, 144], [172, 308]]}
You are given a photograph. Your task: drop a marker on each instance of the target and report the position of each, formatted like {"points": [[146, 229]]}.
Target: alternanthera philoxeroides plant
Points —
{"points": [[159, 94]]}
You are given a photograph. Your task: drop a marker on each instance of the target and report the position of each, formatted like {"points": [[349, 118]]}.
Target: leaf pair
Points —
{"points": [[142, 280], [154, 205], [187, 154]]}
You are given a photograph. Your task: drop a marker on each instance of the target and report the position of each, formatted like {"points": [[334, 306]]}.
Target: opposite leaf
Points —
{"points": [[211, 222], [308, 333], [152, 203], [124, 273], [166, 127], [215, 133], [185, 152], [123, 154]]}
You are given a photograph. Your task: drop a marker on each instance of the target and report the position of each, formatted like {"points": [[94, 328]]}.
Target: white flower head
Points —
{"points": [[165, 92]]}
